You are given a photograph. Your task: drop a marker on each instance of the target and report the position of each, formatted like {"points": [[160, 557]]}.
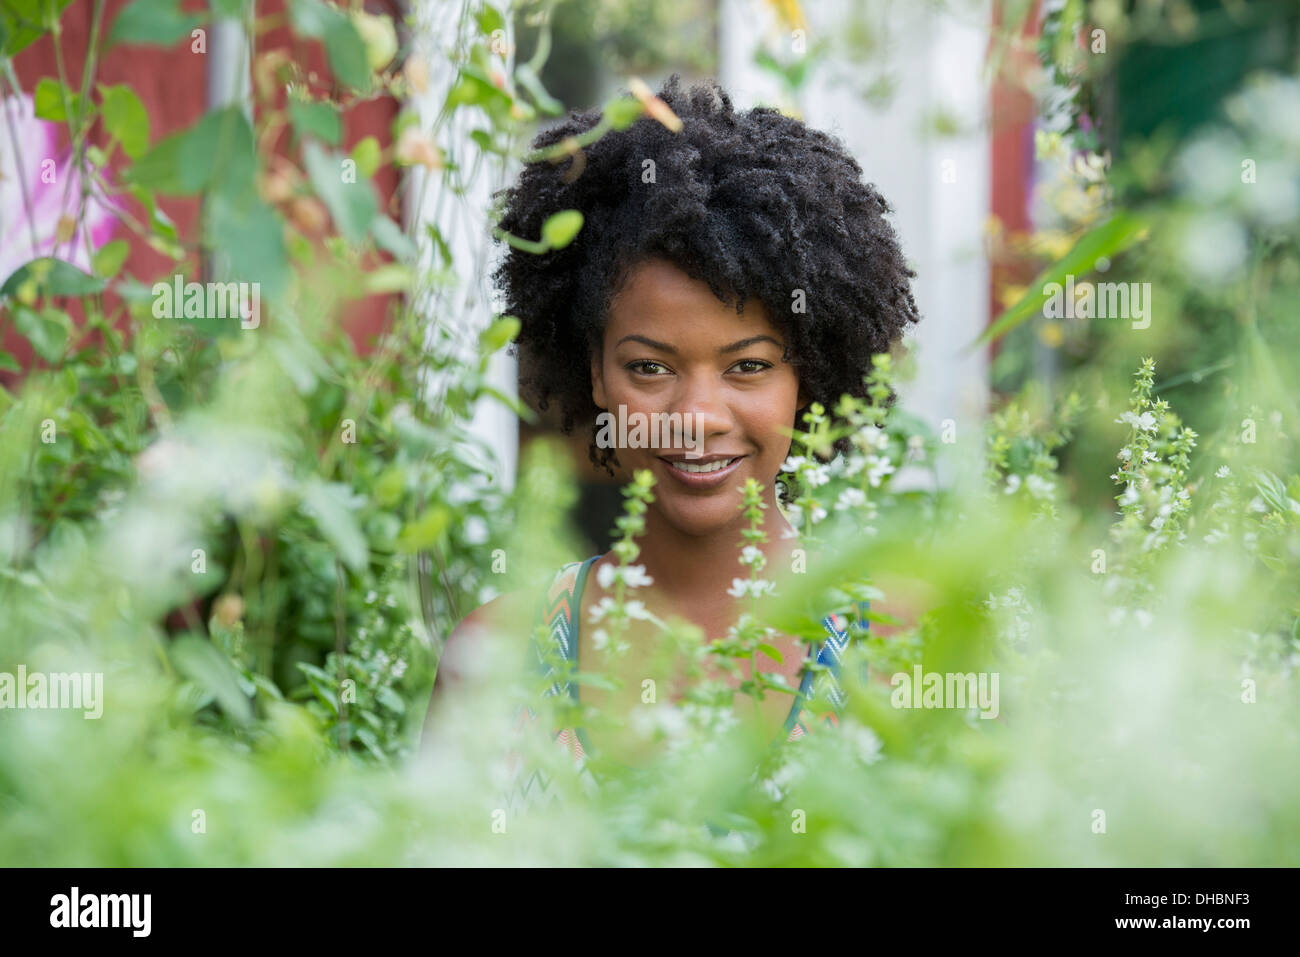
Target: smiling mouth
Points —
{"points": [[703, 474], [702, 468]]}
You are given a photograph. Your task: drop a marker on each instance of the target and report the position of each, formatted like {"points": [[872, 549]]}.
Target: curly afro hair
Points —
{"points": [[755, 203]]}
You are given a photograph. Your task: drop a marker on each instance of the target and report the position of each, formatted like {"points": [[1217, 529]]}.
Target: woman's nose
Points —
{"points": [[702, 402]]}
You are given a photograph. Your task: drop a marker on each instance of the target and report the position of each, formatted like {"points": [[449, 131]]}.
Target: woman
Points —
{"points": [[727, 274]]}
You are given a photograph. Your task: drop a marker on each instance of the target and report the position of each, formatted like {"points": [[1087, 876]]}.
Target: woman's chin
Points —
{"points": [[701, 522]]}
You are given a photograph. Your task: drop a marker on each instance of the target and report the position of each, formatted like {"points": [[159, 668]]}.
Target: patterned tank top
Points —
{"points": [[562, 604]]}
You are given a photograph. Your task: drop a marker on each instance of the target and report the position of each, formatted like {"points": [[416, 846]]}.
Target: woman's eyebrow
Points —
{"points": [[665, 347]]}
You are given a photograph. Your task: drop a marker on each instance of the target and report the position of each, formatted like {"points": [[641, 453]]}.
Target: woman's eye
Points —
{"points": [[641, 364], [756, 365]]}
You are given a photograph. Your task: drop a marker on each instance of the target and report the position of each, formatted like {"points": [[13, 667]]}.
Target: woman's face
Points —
{"points": [[671, 346]]}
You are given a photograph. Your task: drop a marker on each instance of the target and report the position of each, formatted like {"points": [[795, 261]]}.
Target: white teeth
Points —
{"points": [[698, 468]]}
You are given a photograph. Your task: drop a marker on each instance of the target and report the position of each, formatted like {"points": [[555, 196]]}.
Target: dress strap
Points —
{"points": [[556, 613], [826, 684]]}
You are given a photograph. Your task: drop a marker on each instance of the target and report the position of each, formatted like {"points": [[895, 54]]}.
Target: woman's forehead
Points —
{"points": [[657, 295]]}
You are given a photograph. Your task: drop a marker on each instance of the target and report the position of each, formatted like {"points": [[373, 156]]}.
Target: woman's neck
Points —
{"points": [[692, 573]]}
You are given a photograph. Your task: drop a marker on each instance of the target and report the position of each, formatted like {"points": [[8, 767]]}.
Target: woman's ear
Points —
{"points": [[597, 381]]}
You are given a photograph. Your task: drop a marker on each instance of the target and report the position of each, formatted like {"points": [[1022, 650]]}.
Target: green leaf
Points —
{"points": [[160, 168], [347, 53], [221, 153], [52, 277], [367, 737], [229, 9], [205, 665], [316, 119], [390, 277], [8, 363], [390, 699], [495, 336], [490, 19], [125, 119], [152, 23], [310, 17], [529, 80], [513, 403], [772, 653], [48, 338], [352, 205], [217, 149], [560, 228], [250, 236], [108, 258], [1273, 492], [390, 237], [328, 505], [425, 531], [1104, 241], [484, 140], [473, 88], [22, 22], [48, 100], [623, 112], [366, 155]]}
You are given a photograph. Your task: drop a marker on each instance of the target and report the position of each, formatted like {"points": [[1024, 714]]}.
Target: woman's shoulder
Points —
{"points": [[496, 619], [508, 616]]}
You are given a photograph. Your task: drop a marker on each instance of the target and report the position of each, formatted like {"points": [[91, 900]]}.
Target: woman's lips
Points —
{"points": [[702, 481]]}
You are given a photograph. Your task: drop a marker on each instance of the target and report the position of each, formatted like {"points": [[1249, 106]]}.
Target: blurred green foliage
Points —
{"points": [[259, 538]]}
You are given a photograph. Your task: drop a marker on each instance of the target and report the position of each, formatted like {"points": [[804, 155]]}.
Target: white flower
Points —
{"points": [[636, 577], [880, 467], [1146, 421], [758, 587], [751, 556], [600, 610], [633, 576], [818, 513], [600, 639], [1039, 487], [1149, 456], [817, 475], [1130, 495], [1013, 483], [866, 743], [1223, 472], [637, 609], [1125, 453], [851, 498], [793, 463], [772, 790], [874, 437]]}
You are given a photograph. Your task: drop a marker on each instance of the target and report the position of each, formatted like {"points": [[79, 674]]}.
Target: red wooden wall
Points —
{"points": [[173, 85]]}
